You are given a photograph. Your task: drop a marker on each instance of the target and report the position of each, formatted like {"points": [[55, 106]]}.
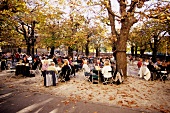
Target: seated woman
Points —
{"points": [[86, 69], [25, 60], [66, 70], [73, 72], [144, 72], [55, 71], [52, 68], [118, 77], [106, 70]]}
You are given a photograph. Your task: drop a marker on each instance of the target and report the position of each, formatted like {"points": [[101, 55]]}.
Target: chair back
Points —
{"points": [[50, 78]]}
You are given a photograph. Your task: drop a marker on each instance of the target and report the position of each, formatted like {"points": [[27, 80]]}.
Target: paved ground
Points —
{"points": [[19, 101], [22, 95]]}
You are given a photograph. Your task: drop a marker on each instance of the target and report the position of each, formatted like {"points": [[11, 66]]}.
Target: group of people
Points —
{"points": [[105, 69], [153, 71]]}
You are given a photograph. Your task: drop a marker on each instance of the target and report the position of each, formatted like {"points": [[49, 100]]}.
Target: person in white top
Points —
{"points": [[106, 70], [86, 68], [144, 72]]}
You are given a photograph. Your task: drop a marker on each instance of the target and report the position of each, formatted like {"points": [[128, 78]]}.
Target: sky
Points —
{"points": [[88, 13]]}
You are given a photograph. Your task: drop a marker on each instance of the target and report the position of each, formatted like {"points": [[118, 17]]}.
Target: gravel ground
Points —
{"points": [[133, 93]]}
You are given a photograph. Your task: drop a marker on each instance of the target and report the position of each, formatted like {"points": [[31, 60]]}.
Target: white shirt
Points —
{"points": [[86, 68], [105, 71]]}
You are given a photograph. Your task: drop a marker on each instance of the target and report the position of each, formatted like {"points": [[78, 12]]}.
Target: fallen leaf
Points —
{"points": [[120, 102], [111, 98]]}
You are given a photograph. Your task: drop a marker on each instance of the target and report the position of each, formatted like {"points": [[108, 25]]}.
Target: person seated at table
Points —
{"points": [[98, 63], [106, 70], [163, 66], [158, 66], [144, 72], [158, 63], [79, 63], [52, 67], [65, 70], [44, 67], [118, 77], [35, 64], [72, 66], [164, 69], [168, 67], [151, 68], [49, 69], [86, 69], [25, 60]]}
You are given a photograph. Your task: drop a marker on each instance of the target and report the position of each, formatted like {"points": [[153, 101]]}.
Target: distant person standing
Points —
{"points": [[139, 64]]}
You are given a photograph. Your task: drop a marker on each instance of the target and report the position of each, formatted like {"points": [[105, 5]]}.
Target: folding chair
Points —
{"points": [[50, 78], [95, 76], [163, 76], [108, 80], [65, 76]]}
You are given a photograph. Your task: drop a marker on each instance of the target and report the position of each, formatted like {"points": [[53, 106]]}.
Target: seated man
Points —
{"points": [[144, 72]]}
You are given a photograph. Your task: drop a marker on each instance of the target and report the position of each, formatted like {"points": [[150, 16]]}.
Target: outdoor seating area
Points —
{"points": [[96, 70]]}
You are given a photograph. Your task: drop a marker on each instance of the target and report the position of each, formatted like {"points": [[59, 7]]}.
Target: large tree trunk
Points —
{"points": [[126, 22], [121, 61]]}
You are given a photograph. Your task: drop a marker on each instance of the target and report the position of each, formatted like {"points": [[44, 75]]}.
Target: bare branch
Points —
{"points": [[17, 29], [132, 6]]}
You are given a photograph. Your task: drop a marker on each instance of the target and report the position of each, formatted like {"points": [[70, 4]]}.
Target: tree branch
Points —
{"points": [[16, 27], [132, 6]]}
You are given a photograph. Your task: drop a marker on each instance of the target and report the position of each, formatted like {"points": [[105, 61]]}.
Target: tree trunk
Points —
{"points": [[87, 49], [142, 52], [28, 49], [19, 50], [132, 50], [114, 51], [36, 51], [121, 61], [52, 51], [154, 48], [154, 55], [136, 51], [97, 52], [70, 51]]}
